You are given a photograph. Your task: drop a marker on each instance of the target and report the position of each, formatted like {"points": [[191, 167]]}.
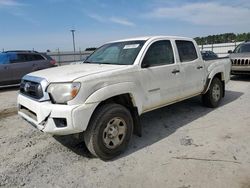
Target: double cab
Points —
{"points": [[104, 97]]}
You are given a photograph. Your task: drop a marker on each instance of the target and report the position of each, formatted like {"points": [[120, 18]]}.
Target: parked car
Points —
{"points": [[208, 55], [104, 97], [240, 59], [15, 64]]}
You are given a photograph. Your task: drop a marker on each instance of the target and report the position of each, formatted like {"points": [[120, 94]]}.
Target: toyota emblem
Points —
{"points": [[26, 87]]}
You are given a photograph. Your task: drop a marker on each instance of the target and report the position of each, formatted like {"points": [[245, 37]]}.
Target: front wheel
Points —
{"points": [[213, 96], [109, 131]]}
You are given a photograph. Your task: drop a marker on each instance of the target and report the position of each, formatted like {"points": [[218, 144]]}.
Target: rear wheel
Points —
{"points": [[213, 96], [109, 131]]}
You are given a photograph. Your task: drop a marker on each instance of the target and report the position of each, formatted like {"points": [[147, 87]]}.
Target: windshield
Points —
{"points": [[118, 53], [242, 48]]}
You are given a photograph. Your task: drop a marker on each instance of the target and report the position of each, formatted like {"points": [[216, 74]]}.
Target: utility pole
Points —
{"points": [[73, 37]]}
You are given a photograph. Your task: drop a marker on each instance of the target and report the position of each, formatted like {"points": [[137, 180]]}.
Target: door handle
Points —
{"points": [[199, 67], [175, 71]]}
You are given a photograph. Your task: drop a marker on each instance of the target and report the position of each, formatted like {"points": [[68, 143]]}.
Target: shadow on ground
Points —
{"points": [[7, 89], [157, 124], [243, 78]]}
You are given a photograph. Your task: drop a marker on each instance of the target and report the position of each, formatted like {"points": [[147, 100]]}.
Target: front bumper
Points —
{"points": [[240, 69], [43, 115]]}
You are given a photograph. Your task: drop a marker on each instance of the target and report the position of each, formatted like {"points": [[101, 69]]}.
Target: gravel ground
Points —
{"points": [[184, 145]]}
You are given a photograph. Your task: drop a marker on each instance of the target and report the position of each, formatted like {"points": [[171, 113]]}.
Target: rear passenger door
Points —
{"points": [[191, 67], [160, 75], [24, 64], [19, 65]]}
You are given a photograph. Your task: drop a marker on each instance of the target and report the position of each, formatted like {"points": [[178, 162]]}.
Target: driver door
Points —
{"points": [[160, 74]]}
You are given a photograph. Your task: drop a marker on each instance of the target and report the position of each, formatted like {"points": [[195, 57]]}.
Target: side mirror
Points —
{"points": [[145, 64], [229, 51]]}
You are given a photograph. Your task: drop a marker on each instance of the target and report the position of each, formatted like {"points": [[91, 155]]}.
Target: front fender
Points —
{"points": [[109, 91]]}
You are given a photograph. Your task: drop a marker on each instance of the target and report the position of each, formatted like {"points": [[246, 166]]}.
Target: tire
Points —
{"points": [[213, 96], [109, 131]]}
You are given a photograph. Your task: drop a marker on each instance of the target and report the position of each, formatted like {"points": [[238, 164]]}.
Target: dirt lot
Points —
{"points": [[184, 145]]}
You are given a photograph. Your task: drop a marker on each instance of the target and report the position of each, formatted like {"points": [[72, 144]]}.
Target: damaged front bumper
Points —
{"points": [[55, 118]]}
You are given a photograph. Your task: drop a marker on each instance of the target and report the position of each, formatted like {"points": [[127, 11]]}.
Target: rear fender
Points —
{"points": [[215, 71]]}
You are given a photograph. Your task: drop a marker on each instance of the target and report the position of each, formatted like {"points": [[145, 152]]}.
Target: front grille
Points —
{"points": [[31, 89], [240, 62], [28, 112]]}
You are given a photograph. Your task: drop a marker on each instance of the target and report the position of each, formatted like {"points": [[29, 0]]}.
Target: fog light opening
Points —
{"points": [[60, 122]]}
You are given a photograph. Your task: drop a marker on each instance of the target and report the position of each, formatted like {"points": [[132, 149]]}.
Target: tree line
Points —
{"points": [[222, 38]]}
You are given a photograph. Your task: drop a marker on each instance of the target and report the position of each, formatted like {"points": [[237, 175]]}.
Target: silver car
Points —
{"points": [[240, 59], [15, 64]]}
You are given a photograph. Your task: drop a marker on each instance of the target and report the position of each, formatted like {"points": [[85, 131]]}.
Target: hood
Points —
{"points": [[69, 73], [239, 55]]}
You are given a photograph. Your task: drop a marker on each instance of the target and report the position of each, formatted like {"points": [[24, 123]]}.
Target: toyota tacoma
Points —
{"points": [[103, 98]]}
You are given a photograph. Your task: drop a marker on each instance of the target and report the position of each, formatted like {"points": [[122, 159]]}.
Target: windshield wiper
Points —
{"points": [[96, 62], [88, 62], [104, 63]]}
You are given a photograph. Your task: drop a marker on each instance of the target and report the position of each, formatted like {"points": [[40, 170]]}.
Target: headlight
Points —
{"points": [[61, 93]]}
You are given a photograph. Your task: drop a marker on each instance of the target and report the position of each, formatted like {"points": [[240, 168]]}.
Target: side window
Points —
{"points": [[186, 50], [30, 57], [4, 59], [13, 58], [21, 58], [17, 58], [159, 53]]}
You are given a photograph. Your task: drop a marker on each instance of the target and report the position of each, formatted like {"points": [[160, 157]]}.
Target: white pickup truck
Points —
{"points": [[104, 97]]}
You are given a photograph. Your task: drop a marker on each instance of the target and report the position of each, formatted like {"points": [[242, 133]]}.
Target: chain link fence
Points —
{"points": [[63, 57], [220, 49]]}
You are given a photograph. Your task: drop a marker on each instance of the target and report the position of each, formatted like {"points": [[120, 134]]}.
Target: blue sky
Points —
{"points": [[46, 24]]}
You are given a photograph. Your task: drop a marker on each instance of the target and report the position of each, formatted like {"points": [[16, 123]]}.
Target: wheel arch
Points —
{"points": [[125, 99], [220, 76]]}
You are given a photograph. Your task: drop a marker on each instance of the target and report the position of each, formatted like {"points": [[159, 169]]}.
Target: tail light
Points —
{"points": [[52, 62]]}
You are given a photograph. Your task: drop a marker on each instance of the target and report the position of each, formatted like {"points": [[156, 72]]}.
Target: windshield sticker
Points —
{"points": [[130, 46]]}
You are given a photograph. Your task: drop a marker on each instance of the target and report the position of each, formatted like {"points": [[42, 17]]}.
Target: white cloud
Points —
{"points": [[15, 8], [121, 21], [22, 15], [10, 3], [117, 20], [210, 14], [97, 18]]}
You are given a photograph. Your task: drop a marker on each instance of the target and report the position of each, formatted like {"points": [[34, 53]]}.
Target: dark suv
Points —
{"points": [[15, 64], [208, 55]]}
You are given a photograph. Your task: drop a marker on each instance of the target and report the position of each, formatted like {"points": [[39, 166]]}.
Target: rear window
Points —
{"points": [[186, 50]]}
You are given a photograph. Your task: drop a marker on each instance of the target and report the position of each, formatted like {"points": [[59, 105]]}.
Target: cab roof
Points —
{"points": [[152, 38]]}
